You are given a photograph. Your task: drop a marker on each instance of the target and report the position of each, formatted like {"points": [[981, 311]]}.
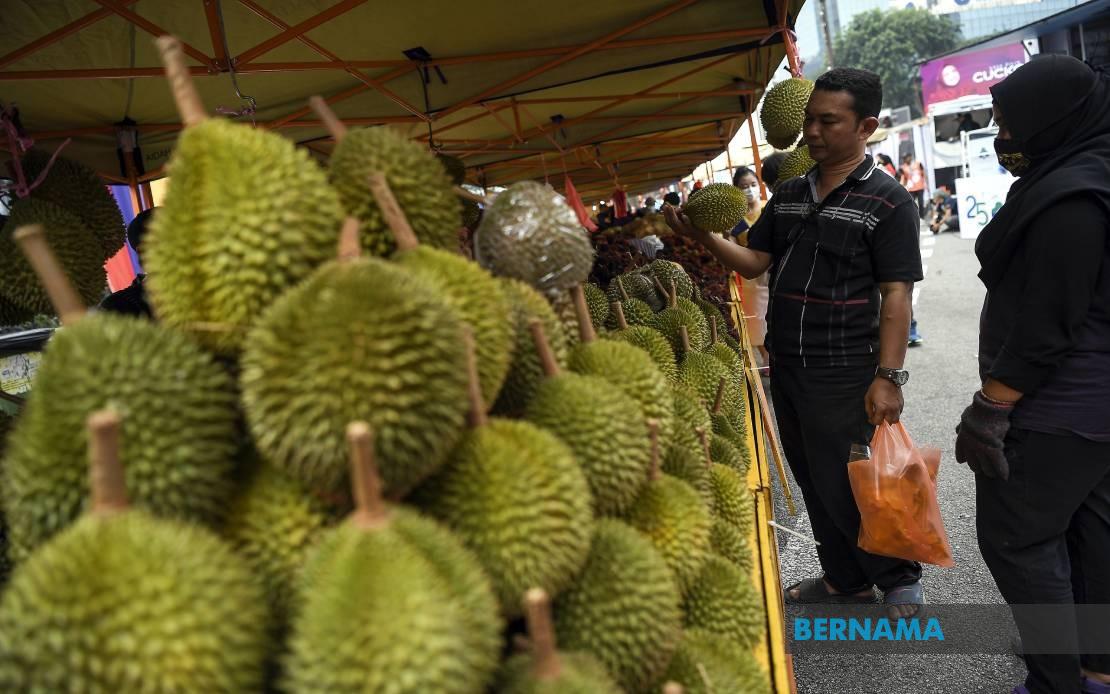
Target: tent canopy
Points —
{"points": [[630, 91]]}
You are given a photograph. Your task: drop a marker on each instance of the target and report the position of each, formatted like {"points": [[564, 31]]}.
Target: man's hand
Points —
{"points": [[980, 435], [681, 225], [883, 402]]}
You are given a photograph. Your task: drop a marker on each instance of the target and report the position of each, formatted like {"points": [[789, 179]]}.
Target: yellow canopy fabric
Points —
{"points": [[630, 91]]}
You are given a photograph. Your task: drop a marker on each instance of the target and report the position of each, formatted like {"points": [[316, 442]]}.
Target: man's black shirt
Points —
{"points": [[828, 259]]}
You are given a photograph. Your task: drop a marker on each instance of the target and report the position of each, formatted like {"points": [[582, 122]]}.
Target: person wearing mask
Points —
{"points": [[754, 291], [888, 165], [131, 300], [744, 179], [842, 247], [1037, 433], [912, 175]]}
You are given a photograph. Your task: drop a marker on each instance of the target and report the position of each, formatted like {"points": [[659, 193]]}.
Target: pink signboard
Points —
{"points": [[954, 76]]}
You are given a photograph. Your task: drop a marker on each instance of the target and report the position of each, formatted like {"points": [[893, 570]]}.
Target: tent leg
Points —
{"points": [[756, 158]]}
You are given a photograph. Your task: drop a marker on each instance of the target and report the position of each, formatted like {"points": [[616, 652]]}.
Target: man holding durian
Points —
{"points": [[842, 246]]}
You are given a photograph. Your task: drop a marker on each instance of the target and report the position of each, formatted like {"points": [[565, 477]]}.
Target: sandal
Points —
{"points": [[813, 591], [912, 594], [1091, 686]]}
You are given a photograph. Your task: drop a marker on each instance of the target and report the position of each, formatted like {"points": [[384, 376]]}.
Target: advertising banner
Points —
{"points": [[954, 76]]}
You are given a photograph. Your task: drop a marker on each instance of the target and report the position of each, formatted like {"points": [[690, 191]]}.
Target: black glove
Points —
{"points": [[980, 434]]}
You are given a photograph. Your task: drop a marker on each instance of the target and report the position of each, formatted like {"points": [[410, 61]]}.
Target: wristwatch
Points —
{"points": [[898, 377]]}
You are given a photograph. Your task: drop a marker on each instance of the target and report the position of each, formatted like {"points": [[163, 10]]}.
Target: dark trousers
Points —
{"points": [[820, 414], [1045, 535]]}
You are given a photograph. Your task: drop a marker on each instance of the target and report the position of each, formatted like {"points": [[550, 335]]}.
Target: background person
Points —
{"points": [[1037, 434]]}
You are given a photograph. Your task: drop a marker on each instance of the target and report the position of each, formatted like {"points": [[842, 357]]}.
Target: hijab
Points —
{"points": [[1057, 109]]}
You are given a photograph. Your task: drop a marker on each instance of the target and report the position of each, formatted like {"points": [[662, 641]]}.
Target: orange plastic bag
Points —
{"points": [[896, 493]]}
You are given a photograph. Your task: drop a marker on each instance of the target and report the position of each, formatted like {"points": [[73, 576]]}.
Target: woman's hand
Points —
{"points": [[681, 225]]}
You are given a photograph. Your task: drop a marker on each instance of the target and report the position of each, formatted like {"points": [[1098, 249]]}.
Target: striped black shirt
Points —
{"points": [[828, 259]]}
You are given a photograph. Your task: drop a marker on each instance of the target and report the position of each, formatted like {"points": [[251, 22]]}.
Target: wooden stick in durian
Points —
{"points": [[720, 397], [703, 436], [331, 122], [673, 688], [349, 247], [713, 330], [546, 664], [618, 311], [392, 213], [673, 296], [366, 485], [543, 348], [620, 286], [32, 241], [585, 323], [109, 493], [653, 435], [477, 415], [185, 95], [661, 289], [684, 337]]}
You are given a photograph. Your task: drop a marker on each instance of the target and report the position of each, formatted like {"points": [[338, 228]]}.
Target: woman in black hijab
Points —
{"points": [[1037, 434]]}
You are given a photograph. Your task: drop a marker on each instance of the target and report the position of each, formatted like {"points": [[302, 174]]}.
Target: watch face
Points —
{"points": [[900, 376]]}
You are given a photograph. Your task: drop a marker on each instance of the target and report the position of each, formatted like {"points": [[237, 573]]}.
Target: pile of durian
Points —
{"points": [[348, 459]]}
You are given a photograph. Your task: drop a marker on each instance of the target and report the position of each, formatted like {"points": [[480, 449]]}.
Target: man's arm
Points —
{"points": [[884, 399], [748, 262]]}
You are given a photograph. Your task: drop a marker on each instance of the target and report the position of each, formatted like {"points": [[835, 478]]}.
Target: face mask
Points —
{"points": [[1011, 156], [752, 191]]}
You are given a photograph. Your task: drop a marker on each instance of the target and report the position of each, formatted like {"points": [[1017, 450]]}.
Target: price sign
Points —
{"points": [[978, 199]]}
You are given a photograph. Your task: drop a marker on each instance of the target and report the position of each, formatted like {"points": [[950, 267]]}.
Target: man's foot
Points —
{"points": [[1095, 682], [915, 338], [818, 590], [905, 601]]}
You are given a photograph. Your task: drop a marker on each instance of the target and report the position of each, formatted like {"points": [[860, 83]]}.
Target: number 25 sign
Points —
{"points": [[980, 198]]}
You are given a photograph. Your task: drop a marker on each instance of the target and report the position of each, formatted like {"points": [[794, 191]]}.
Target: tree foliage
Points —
{"points": [[891, 43]]}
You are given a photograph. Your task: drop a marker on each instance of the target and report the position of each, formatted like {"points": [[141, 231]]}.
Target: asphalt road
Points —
{"points": [[943, 375]]}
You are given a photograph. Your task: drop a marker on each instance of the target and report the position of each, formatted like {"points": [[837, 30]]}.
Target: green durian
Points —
{"points": [[532, 234], [623, 608], [180, 427], [76, 248], [668, 272], [247, 215], [597, 304], [722, 600], [603, 429], [685, 330], [728, 541], [361, 339], [705, 663], [723, 452], [717, 208], [783, 111], [635, 285], [390, 601], [123, 601], [648, 339], [797, 163], [418, 181], [732, 501], [525, 369]]}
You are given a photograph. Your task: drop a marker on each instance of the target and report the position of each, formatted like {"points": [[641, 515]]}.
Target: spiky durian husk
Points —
{"points": [[723, 600], [597, 304], [673, 516], [637, 285], [580, 673], [728, 541], [797, 163], [666, 271], [717, 208], [732, 501], [705, 663], [783, 111], [525, 371], [654, 344]]}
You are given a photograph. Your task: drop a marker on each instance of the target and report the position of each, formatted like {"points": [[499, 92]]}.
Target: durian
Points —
{"points": [[662, 273], [732, 501], [673, 516], [797, 163], [74, 245], [390, 601], [361, 339], [717, 208], [684, 330], [723, 601], [648, 339], [623, 607], [247, 215], [532, 234], [635, 285], [525, 369], [546, 670], [79, 190], [729, 542], [604, 431], [705, 663], [598, 305], [514, 494], [125, 602], [784, 110]]}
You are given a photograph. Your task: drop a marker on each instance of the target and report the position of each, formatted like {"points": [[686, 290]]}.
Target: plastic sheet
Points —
{"points": [[896, 493], [532, 234]]}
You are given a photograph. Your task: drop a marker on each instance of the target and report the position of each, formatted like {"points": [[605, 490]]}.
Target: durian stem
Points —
{"points": [[349, 247], [713, 330], [391, 211], [473, 197], [720, 397], [674, 294], [366, 486], [545, 657], [543, 348], [653, 435], [585, 323], [32, 241], [618, 311], [185, 94], [477, 416], [331, 122], [109, 492], [684, 337], [673, 688], [620, 286], [661, 289], [704, 438]]}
